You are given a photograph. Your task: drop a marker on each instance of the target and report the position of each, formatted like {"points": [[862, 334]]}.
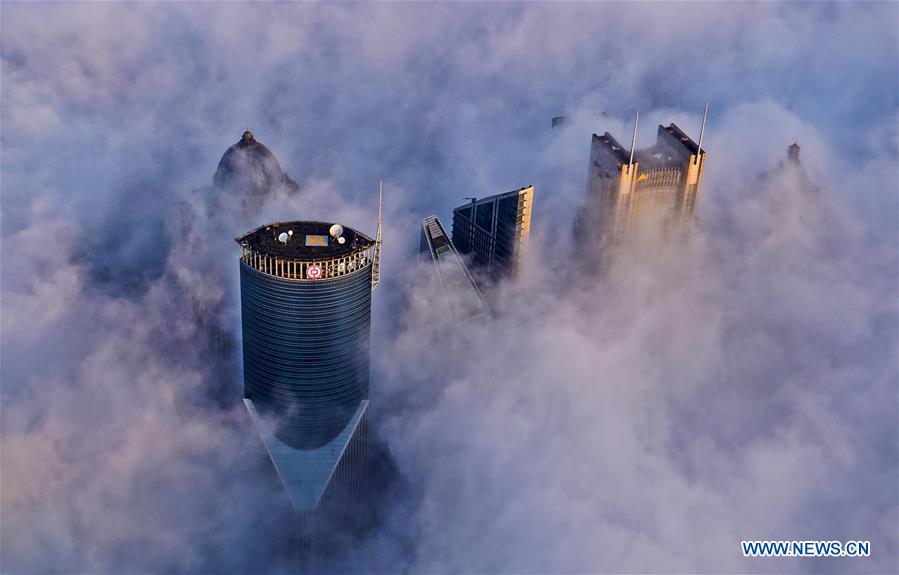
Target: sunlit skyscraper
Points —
{"points": [[639, 190], [493, 232]]}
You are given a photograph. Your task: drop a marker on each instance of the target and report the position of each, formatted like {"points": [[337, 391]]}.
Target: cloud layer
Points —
{"points": [[742, 386]]}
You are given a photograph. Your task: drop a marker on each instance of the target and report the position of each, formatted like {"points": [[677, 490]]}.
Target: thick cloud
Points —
{"points": [[739, 386]]}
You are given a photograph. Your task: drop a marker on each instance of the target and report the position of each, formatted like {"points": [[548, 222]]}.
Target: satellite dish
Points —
{"points": [[282, 237], [341, 240], [336, 231]]}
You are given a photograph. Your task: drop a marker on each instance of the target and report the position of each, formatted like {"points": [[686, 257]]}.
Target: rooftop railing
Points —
{"points": [[316, 270]]}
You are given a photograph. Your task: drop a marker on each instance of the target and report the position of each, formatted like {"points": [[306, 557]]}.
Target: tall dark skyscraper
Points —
{"points": [[460, 291], [493, 232], [305, 291]]}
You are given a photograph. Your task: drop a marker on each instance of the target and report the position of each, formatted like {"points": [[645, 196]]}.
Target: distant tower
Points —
{"points": [[792, 165], [305, 290], [629, 191], [494, 232], [248, 170]]}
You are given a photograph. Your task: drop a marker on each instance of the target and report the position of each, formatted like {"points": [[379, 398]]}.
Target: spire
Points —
{"points": [[705, 115], [376, 260], [630, 162]]}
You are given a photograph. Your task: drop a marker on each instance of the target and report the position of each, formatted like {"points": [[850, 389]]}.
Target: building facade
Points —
{"points": [[630, 193], [493, 232], [460, 292], [305, 291]]}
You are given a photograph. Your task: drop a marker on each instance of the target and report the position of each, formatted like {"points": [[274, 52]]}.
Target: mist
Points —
{"points": [[741, 385]]}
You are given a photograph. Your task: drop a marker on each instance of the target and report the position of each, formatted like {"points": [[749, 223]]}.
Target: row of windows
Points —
{"points": [[306, 350], [346, 489]]}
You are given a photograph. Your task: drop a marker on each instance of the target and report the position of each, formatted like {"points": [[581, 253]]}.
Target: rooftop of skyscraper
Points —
{"points": [[678, 134], [249, 168], [671, 149], [609, 141], [305, 240]]}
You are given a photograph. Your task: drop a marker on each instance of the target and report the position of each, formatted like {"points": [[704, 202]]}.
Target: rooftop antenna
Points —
{"points": [[633, 141], [705, 114], [376, 260]]}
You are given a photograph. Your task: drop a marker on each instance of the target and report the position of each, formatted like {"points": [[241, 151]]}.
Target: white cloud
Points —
{"points": [[646, 422]]}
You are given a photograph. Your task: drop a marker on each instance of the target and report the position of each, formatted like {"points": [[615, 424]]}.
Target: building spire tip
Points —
{"points": [[633, 140], [705, 115]]}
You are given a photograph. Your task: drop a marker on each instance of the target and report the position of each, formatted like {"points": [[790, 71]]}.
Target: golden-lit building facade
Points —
{"points": [[493, 232], [637, 191]]}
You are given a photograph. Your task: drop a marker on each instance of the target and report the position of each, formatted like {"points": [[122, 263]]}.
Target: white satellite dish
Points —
{"points": [[336, 231], [341, 240], [283, 237]]}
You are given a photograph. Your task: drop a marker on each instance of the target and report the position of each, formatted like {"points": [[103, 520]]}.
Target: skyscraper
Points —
{"points": [[249, 171], [460, 291], [494, 232], [305, 290], [629, 192]]}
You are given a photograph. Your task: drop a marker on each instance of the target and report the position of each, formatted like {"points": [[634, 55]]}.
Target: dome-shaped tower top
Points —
{"points": [[249, 168]]}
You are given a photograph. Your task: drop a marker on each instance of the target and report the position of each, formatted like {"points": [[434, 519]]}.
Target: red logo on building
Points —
{"points": [[314, 272]]}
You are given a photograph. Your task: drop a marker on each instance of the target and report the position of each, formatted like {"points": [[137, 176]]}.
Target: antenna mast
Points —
{"points": [[376, 260], [633, 142], [705, 115]]}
